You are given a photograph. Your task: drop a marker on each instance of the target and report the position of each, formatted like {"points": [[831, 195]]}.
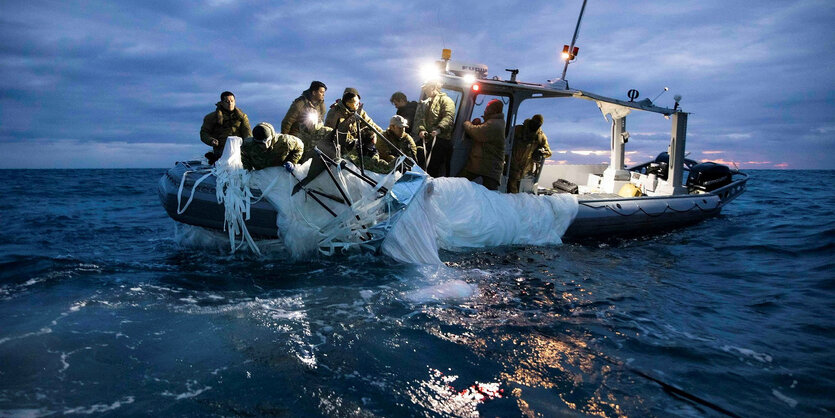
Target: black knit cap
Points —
{"points": [[536, 122]]}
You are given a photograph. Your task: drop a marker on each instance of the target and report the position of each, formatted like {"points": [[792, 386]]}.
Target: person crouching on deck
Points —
{"points": [[371, 160], [486, 158], [265, 149], [397, 136]]}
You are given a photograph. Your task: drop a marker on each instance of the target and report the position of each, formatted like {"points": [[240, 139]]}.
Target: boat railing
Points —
{"points": [[732, 190]]}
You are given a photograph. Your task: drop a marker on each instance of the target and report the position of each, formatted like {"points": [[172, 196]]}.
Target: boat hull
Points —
{"points": [[598, 217], [204, 209]]}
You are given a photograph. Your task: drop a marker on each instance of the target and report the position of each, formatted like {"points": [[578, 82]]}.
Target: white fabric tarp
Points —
{"points": [[446, 213], [455, 214]]}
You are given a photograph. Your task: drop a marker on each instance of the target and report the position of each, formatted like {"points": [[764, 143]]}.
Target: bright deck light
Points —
{"points": [[469, 78], [430, 72]]}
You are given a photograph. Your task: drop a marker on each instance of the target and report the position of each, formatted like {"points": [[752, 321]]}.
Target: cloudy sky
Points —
{"points": [[101, 84]]}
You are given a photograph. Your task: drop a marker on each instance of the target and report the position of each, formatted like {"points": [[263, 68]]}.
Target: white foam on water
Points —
{"points": [[761, 357], [189, 393], [789, 401], [99, 408], [447, 291]]}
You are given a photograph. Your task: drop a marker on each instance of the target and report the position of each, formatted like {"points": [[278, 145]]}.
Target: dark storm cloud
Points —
{"points": [[102, 79]]}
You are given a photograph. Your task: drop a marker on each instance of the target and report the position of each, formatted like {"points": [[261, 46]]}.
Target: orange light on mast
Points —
{"points": [[569, 54]]}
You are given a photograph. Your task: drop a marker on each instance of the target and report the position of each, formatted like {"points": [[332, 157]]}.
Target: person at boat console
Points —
{"points": [[530, 149], [227, 120], [397, 136], [404, 107], [309, 106], [265, 148], [434, 120], [486, 158]]}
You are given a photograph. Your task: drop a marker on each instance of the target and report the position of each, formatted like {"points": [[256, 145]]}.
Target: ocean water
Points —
{"points": [[108, 308]]}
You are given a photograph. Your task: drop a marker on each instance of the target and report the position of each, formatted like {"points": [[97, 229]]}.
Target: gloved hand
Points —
{"points": [[215, 142], [476, 121], [289, 166]]}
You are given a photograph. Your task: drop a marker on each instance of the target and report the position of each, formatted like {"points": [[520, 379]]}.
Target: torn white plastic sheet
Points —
{"points": [[305, 226], [456, 214], [232, 190]]}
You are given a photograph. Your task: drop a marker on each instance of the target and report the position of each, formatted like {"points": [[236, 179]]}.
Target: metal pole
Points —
{"points": [[574, 39]]}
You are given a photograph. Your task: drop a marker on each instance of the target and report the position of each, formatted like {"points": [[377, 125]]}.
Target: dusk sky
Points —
{"points": [[111, 84]]}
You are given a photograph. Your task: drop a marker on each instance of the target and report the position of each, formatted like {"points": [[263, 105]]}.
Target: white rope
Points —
{"points": [[193, 188]]}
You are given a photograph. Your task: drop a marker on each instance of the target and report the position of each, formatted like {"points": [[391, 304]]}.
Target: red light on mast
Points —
{"points": [[476, 87]]}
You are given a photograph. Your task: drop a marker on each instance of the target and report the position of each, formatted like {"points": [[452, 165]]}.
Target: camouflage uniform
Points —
{"points": [[405, 144], [298, 110], [341, 118], [437, 113], [525, 144], [221, 124], [487, 153], [373, 163], [320, 138], [281, 148]]}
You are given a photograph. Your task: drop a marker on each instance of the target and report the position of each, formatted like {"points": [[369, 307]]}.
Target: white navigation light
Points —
{"points": [[469, 78], [430, 72]]}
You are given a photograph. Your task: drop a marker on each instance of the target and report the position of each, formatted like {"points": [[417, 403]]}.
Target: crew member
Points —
{"points": [[310, 105], [397, 136], [486, 158], [530, 149], [404, 107], [371, 160], [265, 149], [434, 119], [228, 120], [343, 117]]}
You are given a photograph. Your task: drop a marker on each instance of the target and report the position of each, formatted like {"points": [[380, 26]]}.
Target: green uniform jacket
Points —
{"points": [[405, 144], [221, 124], [487, 153], [299, 110], [339, 118], [525, 143], [439, 113], [312, 139], [375, 163], [283, 148]]}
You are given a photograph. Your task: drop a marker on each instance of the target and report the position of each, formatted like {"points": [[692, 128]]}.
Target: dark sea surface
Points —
{"points": [[107, 309]]}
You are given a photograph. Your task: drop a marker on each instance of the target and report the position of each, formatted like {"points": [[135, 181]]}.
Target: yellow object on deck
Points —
{"points": [[629, 190]]}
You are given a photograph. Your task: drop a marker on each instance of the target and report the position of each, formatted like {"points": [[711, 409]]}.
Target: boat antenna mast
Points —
{"points": [[569, 52]]}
